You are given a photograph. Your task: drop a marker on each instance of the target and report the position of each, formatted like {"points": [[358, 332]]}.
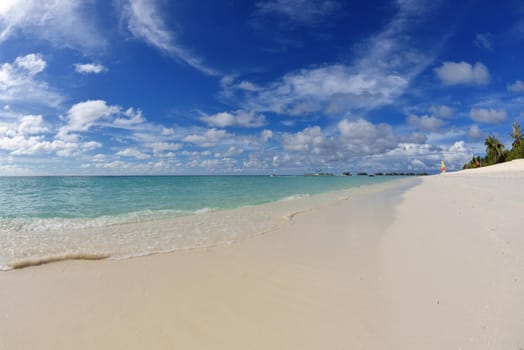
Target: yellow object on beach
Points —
{"points": [[443, 167]]}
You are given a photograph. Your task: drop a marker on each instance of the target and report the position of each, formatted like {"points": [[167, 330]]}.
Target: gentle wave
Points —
{"points": [[54, 224], [29, 241], [294, 197]]}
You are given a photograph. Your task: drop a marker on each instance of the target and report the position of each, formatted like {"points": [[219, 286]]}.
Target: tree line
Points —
{"points": [[496, 152]]}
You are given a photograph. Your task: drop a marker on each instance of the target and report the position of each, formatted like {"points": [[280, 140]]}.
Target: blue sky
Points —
{"points": [[255, 87]]}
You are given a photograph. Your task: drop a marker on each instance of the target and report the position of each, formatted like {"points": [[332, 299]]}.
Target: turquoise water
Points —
{"points": [[50, 218], [92, 197]]}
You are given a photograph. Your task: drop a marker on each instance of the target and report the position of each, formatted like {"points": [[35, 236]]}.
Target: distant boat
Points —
{"points": [[346, 173]]}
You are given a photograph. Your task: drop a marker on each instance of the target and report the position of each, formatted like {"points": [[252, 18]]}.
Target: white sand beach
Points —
{"points": [[424, 263]]}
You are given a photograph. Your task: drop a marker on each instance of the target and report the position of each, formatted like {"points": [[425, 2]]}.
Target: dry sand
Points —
{"points": [[430, 263]]}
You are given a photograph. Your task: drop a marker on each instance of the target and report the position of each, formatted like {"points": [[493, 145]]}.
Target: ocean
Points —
{"points": [[44, 219]]}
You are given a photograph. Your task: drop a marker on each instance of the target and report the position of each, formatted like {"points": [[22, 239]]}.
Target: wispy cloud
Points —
{"points": [[145, 23], [301, 11], [382, 70], [484, 41]]}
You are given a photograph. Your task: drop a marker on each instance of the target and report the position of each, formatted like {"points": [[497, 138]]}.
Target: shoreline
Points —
{"points": [[435, 265], [212, 228]]}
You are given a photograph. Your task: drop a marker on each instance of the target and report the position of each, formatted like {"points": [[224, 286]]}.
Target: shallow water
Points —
{"points": [[45, 219]]}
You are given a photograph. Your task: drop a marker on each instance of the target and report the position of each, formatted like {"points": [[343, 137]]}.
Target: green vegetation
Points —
{"points": [[496, 152]]}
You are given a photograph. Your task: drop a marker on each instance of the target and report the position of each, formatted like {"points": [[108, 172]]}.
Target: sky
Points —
{"points": [[158, 87]]}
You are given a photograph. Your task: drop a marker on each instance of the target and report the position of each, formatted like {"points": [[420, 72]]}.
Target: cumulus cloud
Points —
{"points": [[133, 153], [63, 23], [301, 11], [129, 118], [462, 73], [475, 133], [230, 152], [239, 118], [163, 149], [32, 63], [208, 139], [26, 139], [32, 124], [354, 138], [364, 137], [307, 140], [441, 111], [84, 115], [265, 135], [425, 122], [89, 68], [427, 157], [517, 86], [145, 23], [488, 116], [19, 82]]}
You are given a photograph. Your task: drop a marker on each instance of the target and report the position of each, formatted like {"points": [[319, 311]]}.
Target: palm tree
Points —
{"points": [[494, 149], [517, 136]]}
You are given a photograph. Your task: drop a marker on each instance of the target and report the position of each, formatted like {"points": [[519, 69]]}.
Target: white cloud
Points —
{"points": [[160, 148], [230, 152], [363, 137], [484, 40], [90, 145], [307, 140], [462, 73], [355, 139], [145, 23], [247, 86], [475, 133], [209, 139], [401, 158], [425, 122], [84, 115], [25, 145], [302, 11], [517, 86], [19, 82], [32, 124], [133, 153], [240, 118], [129, 118], [442, 111], [265, 135], [32, 63], [64, 23], [167, 131], [89, 68], [331, 88], [383, 67], [490, 116]]}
